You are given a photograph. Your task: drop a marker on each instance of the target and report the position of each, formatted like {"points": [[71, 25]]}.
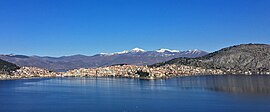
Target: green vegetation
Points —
{"points": [[6, 67], [143, 74]]}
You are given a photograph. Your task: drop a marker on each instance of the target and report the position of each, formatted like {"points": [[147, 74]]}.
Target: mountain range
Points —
{"points": [[135, 56]]}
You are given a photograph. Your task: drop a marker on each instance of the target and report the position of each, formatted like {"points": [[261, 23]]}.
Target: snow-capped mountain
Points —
{"points": [[135, 50], [159, 52], [134, 56], [166, 50]]}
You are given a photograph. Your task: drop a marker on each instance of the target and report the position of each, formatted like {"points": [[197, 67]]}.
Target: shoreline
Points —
{"points": [[125, 71], [139, 78]]}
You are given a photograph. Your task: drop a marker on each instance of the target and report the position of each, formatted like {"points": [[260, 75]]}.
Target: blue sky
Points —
{"points": [[68, 27]]}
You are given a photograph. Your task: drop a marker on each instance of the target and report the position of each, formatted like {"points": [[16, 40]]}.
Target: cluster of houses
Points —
{"points": [[129, 71], [133, 71], [29, 72]]}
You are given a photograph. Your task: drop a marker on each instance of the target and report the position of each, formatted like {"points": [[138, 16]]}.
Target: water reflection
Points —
{"points": [[231, 84], [199, 94]]}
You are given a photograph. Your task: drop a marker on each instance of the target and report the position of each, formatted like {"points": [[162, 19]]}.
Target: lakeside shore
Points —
{"points": [[125, 71]]}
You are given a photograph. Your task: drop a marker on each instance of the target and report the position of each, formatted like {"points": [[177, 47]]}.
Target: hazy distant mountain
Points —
{"points": [[135, 56], [244, 57]]}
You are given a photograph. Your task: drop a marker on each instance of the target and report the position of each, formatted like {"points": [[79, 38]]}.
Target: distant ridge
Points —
{"points": [[134, 56], [252, 58]]}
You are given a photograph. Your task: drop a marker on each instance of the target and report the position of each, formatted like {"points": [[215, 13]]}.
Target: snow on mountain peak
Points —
{"points": [[122, 52], [164, 50], [137, 50], [105, 54], [195, 51]]}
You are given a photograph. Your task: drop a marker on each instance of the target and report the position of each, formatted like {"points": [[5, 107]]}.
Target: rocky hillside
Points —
{"points": [[251, 58], [6, 67], [135, 56]]}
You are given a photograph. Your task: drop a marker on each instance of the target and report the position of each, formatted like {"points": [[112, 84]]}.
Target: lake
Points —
{"points": [[186, 94]]}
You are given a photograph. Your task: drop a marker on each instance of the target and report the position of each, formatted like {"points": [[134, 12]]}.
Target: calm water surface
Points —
{"points": [[188, 94]]}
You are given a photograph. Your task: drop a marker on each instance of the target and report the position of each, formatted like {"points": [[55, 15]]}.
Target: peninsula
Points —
{"points": [[245, 59]]}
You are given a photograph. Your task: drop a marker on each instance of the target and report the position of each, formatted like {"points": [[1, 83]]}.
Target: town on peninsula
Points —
{"points": [[245, 59]]}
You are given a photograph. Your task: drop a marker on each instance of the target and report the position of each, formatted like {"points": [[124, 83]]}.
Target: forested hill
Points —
{"points": [[6, 67]]}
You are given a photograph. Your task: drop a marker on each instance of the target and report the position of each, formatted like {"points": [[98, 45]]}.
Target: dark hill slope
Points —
{"points": [[244, 57], [6, 67]]}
